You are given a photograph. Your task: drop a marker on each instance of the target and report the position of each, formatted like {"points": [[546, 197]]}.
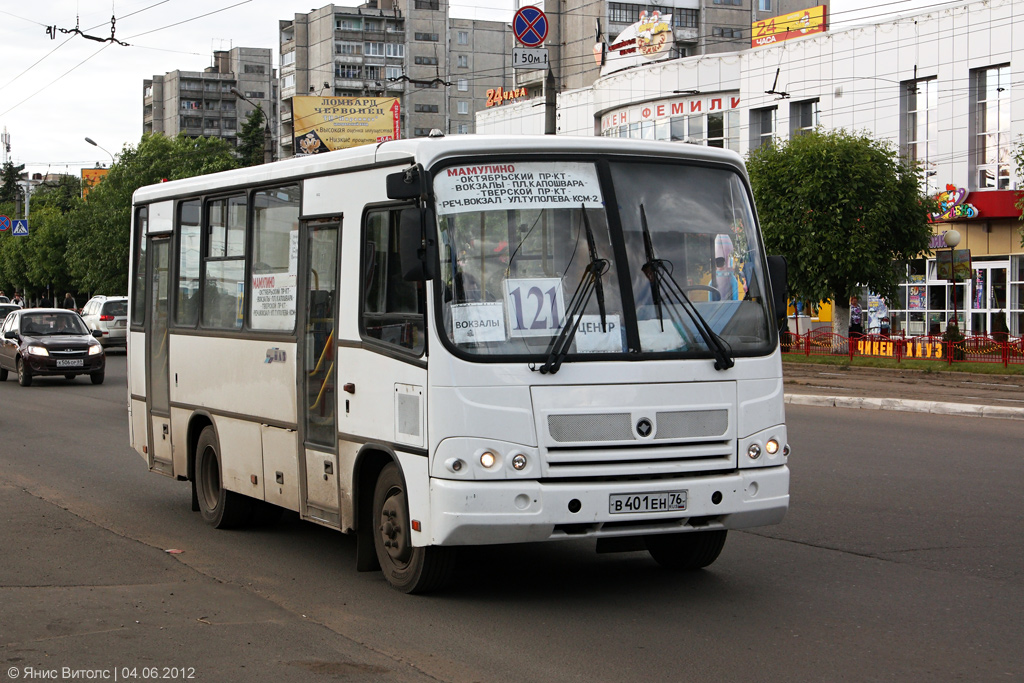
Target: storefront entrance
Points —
{"points": [[988, 295]]}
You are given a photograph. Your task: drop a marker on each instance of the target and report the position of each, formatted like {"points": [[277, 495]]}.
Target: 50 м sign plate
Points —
{"points": [[529, 58]]}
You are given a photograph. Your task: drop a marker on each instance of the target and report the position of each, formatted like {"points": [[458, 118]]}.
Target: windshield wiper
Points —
{"points": [[662, 282], [589, 283]]}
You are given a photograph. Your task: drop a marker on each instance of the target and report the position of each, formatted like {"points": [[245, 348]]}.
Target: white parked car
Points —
{"points": [[109, 316]]}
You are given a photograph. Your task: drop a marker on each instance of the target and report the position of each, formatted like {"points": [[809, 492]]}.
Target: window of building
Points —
{"points": [[463, 107], [427, 4], [762, 126], [372, 73], [393, 72], [186, 307], [148, 92], [726, 32], [426, 108], [463, 129], [764, 5], [393, 310], [191, 85], [463, 84], [429, 61], [227, 105], [919, 126], [738, 3], [348, 70], [623, 13], [229, 124], [394, 50], [224, 263], [288, 58], [275, 248], [991, 153], [464, 61], [255, 94], [421, 132], [686, 18], [191, 104], [431, 37], [348, 48], [347, 24], [803, 117], [212, 123], [288, 81], [255, 68], [463, 37], [373, 49], [371, 25]]}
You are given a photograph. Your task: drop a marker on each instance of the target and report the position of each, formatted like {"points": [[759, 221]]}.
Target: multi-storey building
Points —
{"points": [[582, 32], [201, 103], [439, 68]]}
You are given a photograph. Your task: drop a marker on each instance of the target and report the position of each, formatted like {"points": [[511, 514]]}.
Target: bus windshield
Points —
{"points": [[521, 242]]}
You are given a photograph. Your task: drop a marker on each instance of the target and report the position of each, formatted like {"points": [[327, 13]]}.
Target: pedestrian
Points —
{"points": [[44, 301], [17, 301], [3, 298], [69, 302], [856, 318]]}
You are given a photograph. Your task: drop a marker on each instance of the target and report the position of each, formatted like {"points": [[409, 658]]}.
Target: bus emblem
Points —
{"points": [[644, 427]]}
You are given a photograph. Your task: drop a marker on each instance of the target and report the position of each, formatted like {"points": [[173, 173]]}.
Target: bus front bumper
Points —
{"points": [[487, 512]]}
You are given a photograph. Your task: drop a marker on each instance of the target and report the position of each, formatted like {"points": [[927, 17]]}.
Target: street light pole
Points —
{"points": [[952, 239], [268, 137], [93, 143]]}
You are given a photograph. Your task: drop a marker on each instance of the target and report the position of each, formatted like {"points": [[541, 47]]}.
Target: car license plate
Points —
{"points": [[657, 501], [69, 363]]}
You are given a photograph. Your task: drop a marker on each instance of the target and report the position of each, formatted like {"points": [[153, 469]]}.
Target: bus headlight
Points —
{"points": [[754, 451], [519, 462], [487, 459], [772, 446]]}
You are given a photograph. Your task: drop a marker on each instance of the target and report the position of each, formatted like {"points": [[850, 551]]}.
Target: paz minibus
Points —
{"points": [[466, 340]]}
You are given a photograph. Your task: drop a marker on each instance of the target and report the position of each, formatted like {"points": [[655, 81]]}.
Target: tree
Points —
{"points": [[1018, 157], [844, 210], [252, 139], [98, 231], [9, 189]]}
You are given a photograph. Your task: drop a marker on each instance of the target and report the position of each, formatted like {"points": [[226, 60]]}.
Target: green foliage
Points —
{"points": [[9, 189], [1018, 157], [842, 208], [251, 139]]}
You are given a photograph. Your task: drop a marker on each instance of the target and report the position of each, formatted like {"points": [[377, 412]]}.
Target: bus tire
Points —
{"points": [[693, 550], [221, 509], [408, 569], [24, 376]]}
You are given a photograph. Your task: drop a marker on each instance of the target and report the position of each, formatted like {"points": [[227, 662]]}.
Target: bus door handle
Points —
{"points": [[328, 468]]}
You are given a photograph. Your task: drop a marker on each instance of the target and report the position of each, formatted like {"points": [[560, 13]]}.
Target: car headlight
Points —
{"points": [[95, 349], [38, 351]]}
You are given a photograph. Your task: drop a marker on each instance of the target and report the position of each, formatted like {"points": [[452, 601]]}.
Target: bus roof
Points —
{"points": [[427, 151]]}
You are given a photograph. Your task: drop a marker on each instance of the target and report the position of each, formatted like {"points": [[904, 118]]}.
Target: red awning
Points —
{"points": [[993, 204]]}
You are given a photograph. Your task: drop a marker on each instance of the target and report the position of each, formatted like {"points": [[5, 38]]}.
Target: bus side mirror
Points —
{"points": [[408, 184], [416, 244], [777, 281]]}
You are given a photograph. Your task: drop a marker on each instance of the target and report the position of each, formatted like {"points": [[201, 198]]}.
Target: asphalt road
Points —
{"points": [[901, 559]]}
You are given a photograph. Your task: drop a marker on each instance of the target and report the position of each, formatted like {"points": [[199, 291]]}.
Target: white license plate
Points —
{"points": [[70, 363], [657, 501]]}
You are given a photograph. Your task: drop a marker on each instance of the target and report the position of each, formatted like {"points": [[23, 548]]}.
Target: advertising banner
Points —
{"points": [[805, 22], [324, 124], [91, 178], [648, 40], [953, 265]]}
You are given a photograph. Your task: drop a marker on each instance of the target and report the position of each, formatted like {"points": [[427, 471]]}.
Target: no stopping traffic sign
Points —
{"points": [[530, 26]]}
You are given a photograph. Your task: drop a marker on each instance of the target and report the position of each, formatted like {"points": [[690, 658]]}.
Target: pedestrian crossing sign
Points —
{"points": [[19, 228]]}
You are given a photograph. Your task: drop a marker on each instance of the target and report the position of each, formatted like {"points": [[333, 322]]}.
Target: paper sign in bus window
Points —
{"points": [[519, 185], [478, 323], [592, 337], [536, 306]]}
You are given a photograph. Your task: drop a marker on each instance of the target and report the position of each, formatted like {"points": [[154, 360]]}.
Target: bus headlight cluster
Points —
{"points": [[488, 460], [519, 462], [482, 460], [754, 451], [772, 446]]}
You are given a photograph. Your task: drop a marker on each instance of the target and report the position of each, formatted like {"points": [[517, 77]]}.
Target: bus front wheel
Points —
{"points": [[407, 568], [221, 509], [693, 550]]}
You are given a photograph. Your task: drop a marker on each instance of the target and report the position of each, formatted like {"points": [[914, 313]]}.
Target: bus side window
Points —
{"points": [[393, 309]]}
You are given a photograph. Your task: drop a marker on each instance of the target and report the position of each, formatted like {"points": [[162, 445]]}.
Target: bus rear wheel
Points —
{"points": [[694, 550], [221, 509], [407, 568]]}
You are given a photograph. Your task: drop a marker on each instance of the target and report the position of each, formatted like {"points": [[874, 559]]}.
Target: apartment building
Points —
{"points": [[439, 68], [201, 103]]}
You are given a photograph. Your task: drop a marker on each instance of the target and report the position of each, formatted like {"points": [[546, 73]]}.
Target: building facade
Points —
{"points": [[200, 103], [439, 68], [943, 87]]}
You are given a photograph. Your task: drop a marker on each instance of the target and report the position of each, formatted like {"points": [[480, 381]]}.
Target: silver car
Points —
{"points": [[109, 316]]}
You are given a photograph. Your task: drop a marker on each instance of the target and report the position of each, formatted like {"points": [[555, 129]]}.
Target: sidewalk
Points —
{"points": [[942, 393]]}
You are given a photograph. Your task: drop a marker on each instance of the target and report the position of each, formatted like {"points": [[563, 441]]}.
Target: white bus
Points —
{"points": [[466, 340]]}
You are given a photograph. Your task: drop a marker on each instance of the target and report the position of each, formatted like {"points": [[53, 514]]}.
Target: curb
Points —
{"points": [[907, 405]]}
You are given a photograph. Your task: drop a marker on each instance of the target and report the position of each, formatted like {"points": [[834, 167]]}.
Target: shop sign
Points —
{"points": [[498, 96], [952, 205], [648, 40], [668, 108], [887, 349], [788, 26]]}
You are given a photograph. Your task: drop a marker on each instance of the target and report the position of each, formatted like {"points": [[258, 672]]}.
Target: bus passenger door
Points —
{"points": [[317, 371], [158, 396]]}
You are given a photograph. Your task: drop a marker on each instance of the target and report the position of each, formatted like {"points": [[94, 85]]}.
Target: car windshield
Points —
{"points": [[515, 247], [40, 324]]}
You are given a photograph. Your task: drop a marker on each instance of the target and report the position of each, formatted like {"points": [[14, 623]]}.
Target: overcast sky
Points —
{"points": [[56, 92]]}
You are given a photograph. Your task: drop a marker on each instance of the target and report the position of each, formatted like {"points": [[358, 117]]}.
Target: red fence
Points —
{"points": [[977, 349]]}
